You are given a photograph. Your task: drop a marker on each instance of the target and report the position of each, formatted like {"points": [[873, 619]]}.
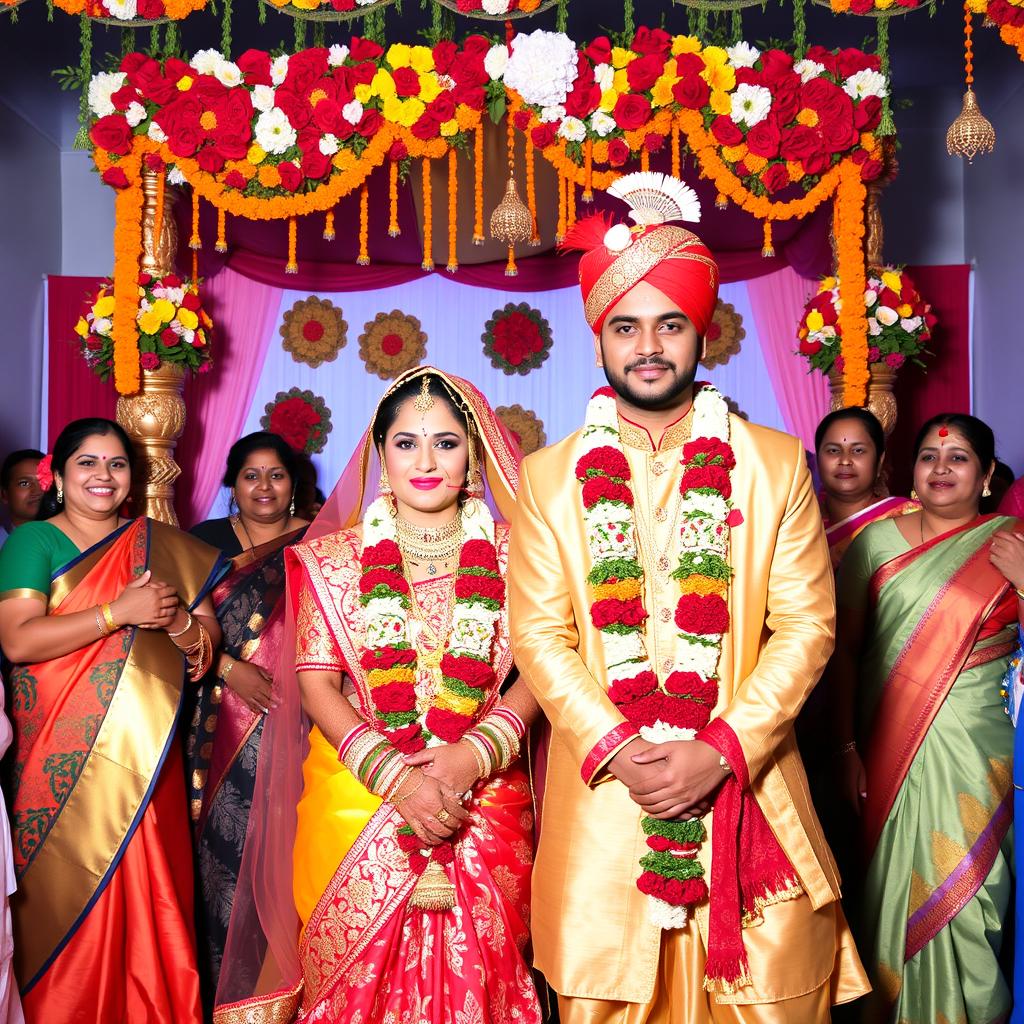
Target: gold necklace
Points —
{"points": [[662, 561], [430, 544]]}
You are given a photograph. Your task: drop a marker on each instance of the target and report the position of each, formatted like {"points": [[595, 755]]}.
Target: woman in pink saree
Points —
{"points": [[386, 873]]}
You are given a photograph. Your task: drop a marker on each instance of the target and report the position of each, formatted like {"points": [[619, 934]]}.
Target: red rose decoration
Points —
{"points": [[810, 348], [714, 477], [393, 698], [702, 614], [474, 673], [448, 726], [301, 418], [386, 657], [386, 552], [852, 60], [544, 134], [611, 610], [775, 65], [115, 177], [690, 684], [786, 99], [599, 51], [601, 488], [726, 131], [618, 152], [623, 691], [235, 179], [112, 133], [643, 72], [315, 165], [840, 135], [764, 138], [363, 50], [653, 142], [479, 554], [469, 586], [381, 577], [605, 459], [407, 81], [774, 177], [168, 338], [210, 159], [709, 451], [291, 176], [653, 41], [631, 112], [149, 360], [820, 55], [691, 92], [444, 56], [800, 143], [827, 100], [867, 113], [255, 65]]}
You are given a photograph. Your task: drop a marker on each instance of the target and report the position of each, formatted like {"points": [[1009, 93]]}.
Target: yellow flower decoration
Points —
{"points": [[661, 93], [621, 57], [721, 77], [104, 306], [685, 44]]}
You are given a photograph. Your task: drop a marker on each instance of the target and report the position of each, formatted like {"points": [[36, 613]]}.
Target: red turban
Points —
{"points": [[667, 256]]}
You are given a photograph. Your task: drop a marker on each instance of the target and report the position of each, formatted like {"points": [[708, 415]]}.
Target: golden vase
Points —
{"points": [[155, 416], [881, 399]]}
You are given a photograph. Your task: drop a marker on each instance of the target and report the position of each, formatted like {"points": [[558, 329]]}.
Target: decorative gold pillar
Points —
{"points": [[155, 416]]}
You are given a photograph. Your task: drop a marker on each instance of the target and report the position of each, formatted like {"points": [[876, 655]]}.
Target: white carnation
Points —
{"points": [[750, 104], [174, 176], [710, 506], [496, 61], [886, 316], [604, 75], [911, 324], [573, 129], [870, 297], [337, 55], [865, 83], [808, 69], [692, 657], [552, 114], [352, 112], [274, 132], [627, 647], [279, 69], [228, 73], [263, 98], [743, 55], [602, 124], [123, 10], [667, 915], [156, 133], [662, 732], [542, 67], [102, 325], [101, 88], [329, 145], [495, 7], [135, 114], [205, 62]]}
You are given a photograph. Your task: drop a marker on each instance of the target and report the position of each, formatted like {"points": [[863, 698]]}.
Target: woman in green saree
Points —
{"points": [[928, 611]]}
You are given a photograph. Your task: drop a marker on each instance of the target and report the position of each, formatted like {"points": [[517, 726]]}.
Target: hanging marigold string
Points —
{"points": [[645, 159], [570, 196], [195, 268], [393, 229], [453, 226], [531, 190], [128, 206], [848, 226], [428, 218], [478, 186], [767, 249], [721, 202], [562, 214], [195, 242], [329, 226], [364, 226], [292, 266], [676, 153], [588, 171], [158, 211], [221, 244]]}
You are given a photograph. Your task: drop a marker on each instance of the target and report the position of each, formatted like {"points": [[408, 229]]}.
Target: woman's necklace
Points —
{"points": [[430, 544], [237, 521]]}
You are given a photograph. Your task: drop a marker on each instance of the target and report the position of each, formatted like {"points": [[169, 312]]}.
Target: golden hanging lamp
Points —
{"points": [[511, 221], [971, 133]]}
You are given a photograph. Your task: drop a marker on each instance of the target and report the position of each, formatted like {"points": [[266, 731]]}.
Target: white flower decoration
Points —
{"points": [[228, 73], [352, 112], [601, 123], [279, 69], [808, 69], [573, 129], [604, 75], [750, 104], [135, 114], [743, 55], [886, 316], [329, 145], [156, 133], [618, 238], [870, 296], [337, 55], [174, 176], [874, 327], [123, 10], [552, 114], [866, 83], [494, 7], [101, 87], [496, 61], [274, 132], [263, 98], [205, 62], [542, 67]]}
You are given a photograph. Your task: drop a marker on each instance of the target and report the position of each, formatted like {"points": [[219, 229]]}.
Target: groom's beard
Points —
{"points": [[665, 394]]}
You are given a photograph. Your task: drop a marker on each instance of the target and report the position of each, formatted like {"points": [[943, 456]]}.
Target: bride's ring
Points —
{"points": [[442, 815]]}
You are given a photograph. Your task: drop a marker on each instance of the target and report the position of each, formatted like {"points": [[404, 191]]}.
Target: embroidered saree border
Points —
{"points": [[960, 887], [886, 508], [923, 674], [276, 1008]]}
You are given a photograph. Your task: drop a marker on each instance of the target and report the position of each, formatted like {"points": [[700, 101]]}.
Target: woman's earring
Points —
{"points": [[913, 495], [986, 491], [60, 495], [291, 507], [385, 483]]}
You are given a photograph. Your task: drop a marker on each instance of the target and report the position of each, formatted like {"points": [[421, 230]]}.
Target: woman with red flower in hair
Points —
{"points": [[393, 837]]}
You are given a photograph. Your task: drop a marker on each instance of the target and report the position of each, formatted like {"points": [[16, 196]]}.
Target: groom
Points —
{"points": [[671, 606]]}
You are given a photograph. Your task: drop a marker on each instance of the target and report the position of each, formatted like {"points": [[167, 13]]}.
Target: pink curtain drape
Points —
{"points": [[777, 301], [243, 313]]}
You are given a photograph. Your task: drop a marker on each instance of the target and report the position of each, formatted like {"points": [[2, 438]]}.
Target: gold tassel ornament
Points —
{"points": [[433, 890]]}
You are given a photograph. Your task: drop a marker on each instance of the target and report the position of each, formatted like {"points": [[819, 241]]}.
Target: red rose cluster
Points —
{"points": [[296, 421]]}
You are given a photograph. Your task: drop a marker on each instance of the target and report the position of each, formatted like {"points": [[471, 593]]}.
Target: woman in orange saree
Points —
{"points": [[928, 611], [389, 878], [97, 617]]}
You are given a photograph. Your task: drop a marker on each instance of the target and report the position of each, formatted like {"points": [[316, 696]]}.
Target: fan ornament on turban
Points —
{"points": [[617, 257]]}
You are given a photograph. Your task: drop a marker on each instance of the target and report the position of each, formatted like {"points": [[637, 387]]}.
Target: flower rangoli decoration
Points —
{"points": [[300, 418], [517, 338], [392, 343], [724, 334], [314, 331], [524, 425]]}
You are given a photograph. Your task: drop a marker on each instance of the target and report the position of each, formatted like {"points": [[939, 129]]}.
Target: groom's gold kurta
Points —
{"points": [[592, 933]]}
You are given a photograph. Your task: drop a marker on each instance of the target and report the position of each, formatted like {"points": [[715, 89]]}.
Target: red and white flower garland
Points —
{"points": [[389, 656], [679, 707]]}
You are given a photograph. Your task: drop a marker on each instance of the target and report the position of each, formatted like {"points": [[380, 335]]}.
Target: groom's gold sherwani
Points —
{"points": [[592, 934]]}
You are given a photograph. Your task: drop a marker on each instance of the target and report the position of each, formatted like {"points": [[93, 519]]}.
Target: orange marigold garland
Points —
{"points": [[221, 243], [364, 226], [560, 229], [531, 190], [329, 226], [292, 266], [478, 186], [127, 249], [849, 232], [428, 218], [453, 224], [393, 229], [195, 242]]}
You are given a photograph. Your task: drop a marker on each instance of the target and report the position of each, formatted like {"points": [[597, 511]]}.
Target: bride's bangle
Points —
{"points": [[184, 629]]}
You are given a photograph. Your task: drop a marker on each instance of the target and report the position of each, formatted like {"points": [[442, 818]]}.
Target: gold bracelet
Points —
{"points": [[185, 629], [414, 790], [100, 624], [1020, 593], [227, 670], [108, 618], [481, 764]]}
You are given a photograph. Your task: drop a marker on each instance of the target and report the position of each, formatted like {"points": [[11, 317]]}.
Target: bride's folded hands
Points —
{"points": [[430, 808]]}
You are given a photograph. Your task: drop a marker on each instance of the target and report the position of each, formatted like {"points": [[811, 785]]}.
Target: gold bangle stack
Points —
{"points": [[108, 618], [198, 655], [184, 629]]}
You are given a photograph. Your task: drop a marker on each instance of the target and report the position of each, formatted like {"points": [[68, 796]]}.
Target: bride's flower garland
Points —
{"points": [[389, 656], [677, 709]]}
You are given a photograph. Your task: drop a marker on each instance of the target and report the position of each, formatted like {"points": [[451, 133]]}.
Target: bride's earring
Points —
{"points": [[385, 483]]}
